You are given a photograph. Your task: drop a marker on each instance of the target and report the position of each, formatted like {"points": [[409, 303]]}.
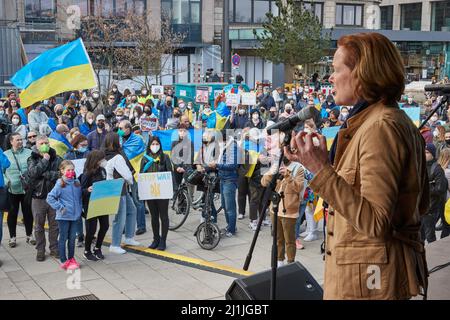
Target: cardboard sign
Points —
{"points": [[79, 166], [156, 185], [157, 90], [248, 98], [149, 124], [202, 95], [233, 99]]}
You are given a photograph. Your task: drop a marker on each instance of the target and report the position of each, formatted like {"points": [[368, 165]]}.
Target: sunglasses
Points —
{"points": [[29, 137]]}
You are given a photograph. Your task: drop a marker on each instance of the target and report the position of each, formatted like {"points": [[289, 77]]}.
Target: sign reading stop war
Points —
{"points": [[155, 185]]}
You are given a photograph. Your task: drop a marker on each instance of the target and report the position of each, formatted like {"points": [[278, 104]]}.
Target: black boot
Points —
{"points": [[162, 244], [155, 243]]}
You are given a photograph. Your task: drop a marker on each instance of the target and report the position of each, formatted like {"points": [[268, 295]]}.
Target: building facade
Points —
{"points": [[421, 30]]}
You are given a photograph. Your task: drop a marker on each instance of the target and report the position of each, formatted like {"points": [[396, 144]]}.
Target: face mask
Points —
{"points": [[434, 119], [307, 130], [101, 125], [121, 133], [344, 115], [241, 112], [182, 105], [70, 174], [155, 148], [119, 117], [15, 121], [90, 121], [95, 96], [169, 103], [83, 149], [144, 92], [114, 89], [255, 117], [103, 163], [59, 113], [44, 148], [273, 114], [435, 133], [148, 111], [207, 110], [176, 115], [447, 141], [288, 110]]}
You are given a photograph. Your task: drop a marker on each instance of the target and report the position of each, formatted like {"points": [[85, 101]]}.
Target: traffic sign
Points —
{"points": [[236, 60]]}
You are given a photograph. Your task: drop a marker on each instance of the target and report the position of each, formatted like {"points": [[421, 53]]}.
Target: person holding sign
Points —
{"points": [[155, 160], [119, 166], [94, 171]]}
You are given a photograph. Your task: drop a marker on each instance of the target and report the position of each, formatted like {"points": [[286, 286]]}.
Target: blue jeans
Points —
{"points": [[67, 234], [79, 228], [228, 197], [140, 208], [125, 218], [299, 219]]}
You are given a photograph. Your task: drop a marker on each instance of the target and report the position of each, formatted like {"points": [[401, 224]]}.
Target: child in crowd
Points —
{"points": [[65, 198]]}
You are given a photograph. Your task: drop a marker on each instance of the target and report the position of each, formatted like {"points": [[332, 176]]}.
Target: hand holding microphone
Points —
{"points": [[303, 149]]}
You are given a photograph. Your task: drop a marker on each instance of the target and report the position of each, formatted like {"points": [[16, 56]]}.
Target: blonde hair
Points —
{"points": [[444, 158], [367, 56]]}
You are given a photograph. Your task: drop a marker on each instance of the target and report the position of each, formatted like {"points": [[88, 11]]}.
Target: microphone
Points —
{"points": [[290, 123], [442, 88]]}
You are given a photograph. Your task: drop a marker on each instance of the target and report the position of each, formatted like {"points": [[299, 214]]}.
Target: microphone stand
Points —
{"points": [[270, 195], [441, 103]]}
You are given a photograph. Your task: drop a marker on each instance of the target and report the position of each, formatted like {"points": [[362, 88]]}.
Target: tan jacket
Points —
{"points": [[292, 187], [377, 191]]}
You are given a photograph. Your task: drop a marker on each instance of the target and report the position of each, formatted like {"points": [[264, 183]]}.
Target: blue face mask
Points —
{"points": [[83, 149]]}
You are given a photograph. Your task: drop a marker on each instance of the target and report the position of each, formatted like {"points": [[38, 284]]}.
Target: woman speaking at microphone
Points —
{"points": [[374, 178]]}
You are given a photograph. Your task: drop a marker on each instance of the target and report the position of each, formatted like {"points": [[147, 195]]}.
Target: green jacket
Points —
{"points": [[12, 174]]}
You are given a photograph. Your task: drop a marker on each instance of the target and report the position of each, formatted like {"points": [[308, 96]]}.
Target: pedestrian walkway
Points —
{"points": [[184, 271]]}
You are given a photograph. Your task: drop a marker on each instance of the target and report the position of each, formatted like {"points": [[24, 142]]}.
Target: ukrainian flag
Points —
{"points": [[254, 149], [168, 136], [134, 149], [59, 143], [61, 69], [222, 115], [330, 134], [413, 114]]}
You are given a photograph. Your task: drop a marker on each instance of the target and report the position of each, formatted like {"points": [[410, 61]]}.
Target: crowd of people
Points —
{"points": [[41, 142]]}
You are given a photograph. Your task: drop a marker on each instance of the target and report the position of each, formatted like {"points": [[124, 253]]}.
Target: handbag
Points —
{"points": [[24, 180]]}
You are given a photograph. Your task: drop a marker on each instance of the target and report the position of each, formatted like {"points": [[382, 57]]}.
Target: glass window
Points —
{"points": [[44, 9], [195, 12], [260, 8], [243, 11], [386, 17], [274, 8], [440, 16], [411, 16], [318, 11], [349, 15], [231, 12]]}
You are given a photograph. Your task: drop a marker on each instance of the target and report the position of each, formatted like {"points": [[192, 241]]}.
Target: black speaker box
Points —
{"points": [[294, 282]]}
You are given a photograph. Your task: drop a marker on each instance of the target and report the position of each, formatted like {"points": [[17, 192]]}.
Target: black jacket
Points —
{"points": [[86, 182], [43, 173], [438, 187]]}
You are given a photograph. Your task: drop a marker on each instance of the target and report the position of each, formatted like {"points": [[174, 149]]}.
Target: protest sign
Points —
{"points": [[202, 95], [155, 185], [233, 99], [248, 98], [79, 166], [149, 124], [105, 198], [157, 90]]}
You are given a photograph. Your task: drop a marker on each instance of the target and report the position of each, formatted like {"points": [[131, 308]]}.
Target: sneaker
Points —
{"points": [[98, 253], [54, 254], [229, 235], [40, 256], [299, 245], [312, 236], [80, 243], [31, 240], [253, 225], [267, 223], [65, 265], [304, 234], [140, 231], [116, 250], [240, 217], [280, 263], [73, 264], [90, 256], [12, 242], [131, 242]]}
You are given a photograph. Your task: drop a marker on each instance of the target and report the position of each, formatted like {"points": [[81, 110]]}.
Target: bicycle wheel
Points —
{"points": [[208, 235], [180, 210]]}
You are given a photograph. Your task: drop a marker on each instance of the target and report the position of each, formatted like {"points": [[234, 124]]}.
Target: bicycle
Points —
{"points": [[208, 233], [182, 202]]}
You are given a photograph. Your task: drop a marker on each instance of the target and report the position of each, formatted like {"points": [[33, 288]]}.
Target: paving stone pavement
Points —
{"points": [[134, 276]]}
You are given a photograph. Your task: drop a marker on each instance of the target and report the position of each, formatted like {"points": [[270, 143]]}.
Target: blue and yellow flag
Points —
{"points": [[167, 137], [222, 114], [413, 114], [134, 149], [105, 198], [57, 70], [59, 143], [254, 149], [330, 133]]}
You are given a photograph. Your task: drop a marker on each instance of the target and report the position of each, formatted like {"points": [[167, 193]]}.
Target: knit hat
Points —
{"points": [[431, 149]]}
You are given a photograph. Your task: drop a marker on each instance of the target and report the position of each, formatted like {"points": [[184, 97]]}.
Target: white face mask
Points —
{"points": [[307, 130], [90, 121], [155, 148], [255, 117], [434, 119], [435, 133], [15, 121], [95, 95]]}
